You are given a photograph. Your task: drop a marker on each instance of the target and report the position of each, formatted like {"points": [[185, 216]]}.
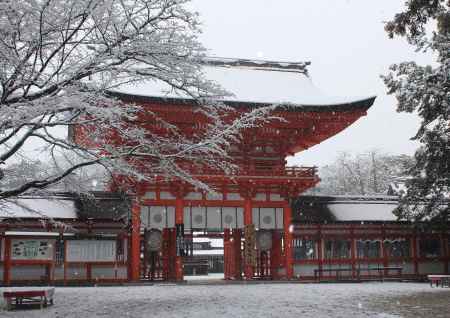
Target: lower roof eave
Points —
{"points": [[359, 104]]}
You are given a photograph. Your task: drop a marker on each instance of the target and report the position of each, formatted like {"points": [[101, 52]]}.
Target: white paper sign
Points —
{"points": [[91, 251]]}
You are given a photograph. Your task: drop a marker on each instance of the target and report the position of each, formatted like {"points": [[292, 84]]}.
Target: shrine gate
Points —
{"points": [[250, 208]]}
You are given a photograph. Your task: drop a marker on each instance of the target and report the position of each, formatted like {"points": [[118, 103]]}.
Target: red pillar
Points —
{"points": [[275, 254], [135, 248], [248, 269], [383, 250], [444, 242], [415, 253], [287, 215], [237, 253], [319, 249], [353, 251], [227, 254], [7, 262], [179, 222]]}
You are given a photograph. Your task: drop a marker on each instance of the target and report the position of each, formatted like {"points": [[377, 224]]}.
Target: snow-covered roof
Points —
{"points": [[345, 208], [100, 205], [363, 211], [253, 81], [38, 207]]}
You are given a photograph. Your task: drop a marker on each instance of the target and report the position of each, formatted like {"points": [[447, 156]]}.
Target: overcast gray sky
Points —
{"points": [[348, 48]]}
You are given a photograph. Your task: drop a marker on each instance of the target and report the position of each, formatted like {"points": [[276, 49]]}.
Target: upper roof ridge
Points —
{"points": [[269, 65]]}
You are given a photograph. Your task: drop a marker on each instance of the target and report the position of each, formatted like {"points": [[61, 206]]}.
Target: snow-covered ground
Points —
{"points": [[380, 300]]}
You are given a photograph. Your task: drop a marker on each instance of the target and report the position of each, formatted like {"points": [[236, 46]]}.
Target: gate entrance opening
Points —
{"points": [[204, 258], [231, 254]]}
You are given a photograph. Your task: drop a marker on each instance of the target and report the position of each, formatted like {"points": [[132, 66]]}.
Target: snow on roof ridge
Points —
{"points": [[265, 65]]}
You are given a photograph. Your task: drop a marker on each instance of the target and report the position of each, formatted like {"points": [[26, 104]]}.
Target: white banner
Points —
{"points": [[91, 251]]}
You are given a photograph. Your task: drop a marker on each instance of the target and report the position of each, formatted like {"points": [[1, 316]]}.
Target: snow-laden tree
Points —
{"points": [[425, 90], [366, 173], [58, 61]]}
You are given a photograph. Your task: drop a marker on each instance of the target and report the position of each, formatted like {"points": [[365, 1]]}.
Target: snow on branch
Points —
{"points": [[59, 59]]}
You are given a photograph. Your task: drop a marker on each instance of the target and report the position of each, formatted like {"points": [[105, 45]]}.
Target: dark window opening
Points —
{"points": [[304, 249], [368, 249], [398, 248], [430, 248], [337, 249]]}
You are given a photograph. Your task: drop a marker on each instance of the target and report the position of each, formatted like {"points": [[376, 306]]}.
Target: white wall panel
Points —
{"points": [[431, 268], [28, 272], [91, 251], [157, 217], [279, 218], [229, 217], [214, 218], [76, 272], [304, 269], [198, 217], [267, 218]]}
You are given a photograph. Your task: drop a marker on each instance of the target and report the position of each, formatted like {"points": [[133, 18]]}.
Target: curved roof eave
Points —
{"points": [[359, 104]]}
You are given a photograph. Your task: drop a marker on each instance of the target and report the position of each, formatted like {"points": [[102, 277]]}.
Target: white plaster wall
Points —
{"points": [[407, 267], [431, 268], [304, 269], [109, 272], [28, 272], [76, 272]]}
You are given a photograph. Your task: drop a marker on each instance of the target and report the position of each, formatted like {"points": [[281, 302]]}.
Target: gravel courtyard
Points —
{"points": [[382, 300]]}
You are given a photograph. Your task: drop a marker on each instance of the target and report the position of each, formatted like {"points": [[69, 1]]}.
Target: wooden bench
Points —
{"points": [[42, 297], [443, 280], [381, 271], [318, 272]]}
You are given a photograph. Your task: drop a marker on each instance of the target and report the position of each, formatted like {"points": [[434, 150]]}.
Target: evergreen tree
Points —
{"points": [[426, 91]]}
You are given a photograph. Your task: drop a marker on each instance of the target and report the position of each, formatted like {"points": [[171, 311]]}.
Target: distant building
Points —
{"points": [[359, 236]]}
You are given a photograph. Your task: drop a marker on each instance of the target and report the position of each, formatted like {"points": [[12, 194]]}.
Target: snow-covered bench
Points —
{"points": [[42, 297], [443, 280]]}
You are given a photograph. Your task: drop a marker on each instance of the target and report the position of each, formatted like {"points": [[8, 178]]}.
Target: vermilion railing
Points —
{"points": [[289, 172]]}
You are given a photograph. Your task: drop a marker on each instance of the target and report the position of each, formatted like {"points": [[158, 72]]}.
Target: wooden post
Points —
{"points": [[320, 249], [415, 252], [179, 225], [89, 272], [65, 263], [383, 250], [7, 262], [287, 215], [275, 254], [237, 238], [353, 251], [166, 254], [248, 269], [135, 250], [445, 244], [227, 254]]}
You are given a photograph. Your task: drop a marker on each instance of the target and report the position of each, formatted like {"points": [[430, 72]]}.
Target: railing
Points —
{"points": [[252, 171]]}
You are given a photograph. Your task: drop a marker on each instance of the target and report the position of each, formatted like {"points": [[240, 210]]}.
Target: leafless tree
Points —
{"points": [[366, 173]]}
